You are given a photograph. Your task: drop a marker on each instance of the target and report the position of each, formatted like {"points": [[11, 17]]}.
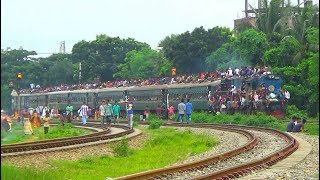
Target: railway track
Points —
{"points": [[54, 144], [202, 167]]}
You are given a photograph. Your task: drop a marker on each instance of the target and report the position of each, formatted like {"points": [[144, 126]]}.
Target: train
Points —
{"points": [[151, 95]]}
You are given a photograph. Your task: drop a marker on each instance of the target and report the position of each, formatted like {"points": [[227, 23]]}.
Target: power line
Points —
{"points": [[54, 53]]}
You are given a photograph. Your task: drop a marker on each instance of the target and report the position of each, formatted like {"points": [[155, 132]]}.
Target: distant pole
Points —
{"points": [[79, 72], [246, 8], [19, 78]]}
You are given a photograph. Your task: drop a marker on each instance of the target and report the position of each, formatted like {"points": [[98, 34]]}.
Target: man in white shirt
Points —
{"points": [[237, 72], [83, 112], [230, 72], [286, 95], [233, 90]]}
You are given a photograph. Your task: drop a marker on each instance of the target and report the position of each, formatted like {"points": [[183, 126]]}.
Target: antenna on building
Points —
{"points": [[62, 47]]}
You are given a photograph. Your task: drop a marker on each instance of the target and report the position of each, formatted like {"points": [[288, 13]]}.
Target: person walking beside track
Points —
{"points": [[116, 112], [130, 113], [46, 123], [171, 112], [188, 110], [69, 111], [181, 110], [102, 113], [109, 112], [83, 112]]}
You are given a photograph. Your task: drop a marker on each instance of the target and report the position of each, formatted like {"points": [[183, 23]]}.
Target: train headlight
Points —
{"points": [[19, 76]]}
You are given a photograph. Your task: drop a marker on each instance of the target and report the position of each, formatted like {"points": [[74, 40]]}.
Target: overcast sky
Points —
{"points": [[41, 25]]}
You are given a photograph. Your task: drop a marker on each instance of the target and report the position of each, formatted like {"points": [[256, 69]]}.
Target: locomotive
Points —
{"points": [[151, 95]]}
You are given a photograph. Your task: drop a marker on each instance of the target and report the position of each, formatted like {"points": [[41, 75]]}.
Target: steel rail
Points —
{"points": [[243, 169], [56, 139], [253, 141], [228, 173], [38, 145]]}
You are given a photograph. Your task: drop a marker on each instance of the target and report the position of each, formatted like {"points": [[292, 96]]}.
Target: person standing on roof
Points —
{"points": [[229, 71]]}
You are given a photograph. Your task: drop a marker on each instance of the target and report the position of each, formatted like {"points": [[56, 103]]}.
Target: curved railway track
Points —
{"points": [[163, 173], [53, 144], [227, 173]]}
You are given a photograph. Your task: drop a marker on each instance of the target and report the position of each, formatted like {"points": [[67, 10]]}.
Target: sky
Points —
{"points": [[40, 25]]}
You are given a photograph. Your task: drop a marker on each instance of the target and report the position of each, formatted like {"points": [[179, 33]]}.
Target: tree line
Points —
{"points": [[287, 39]]}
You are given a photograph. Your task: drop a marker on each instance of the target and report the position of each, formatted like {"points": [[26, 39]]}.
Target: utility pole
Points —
{"points": [[79, 72]]}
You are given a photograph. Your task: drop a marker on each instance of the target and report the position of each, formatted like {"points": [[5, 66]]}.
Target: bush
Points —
{"points": [[292, 110], [121, 149], [155, 124]]}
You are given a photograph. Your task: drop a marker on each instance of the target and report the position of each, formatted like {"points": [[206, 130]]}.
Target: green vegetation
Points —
{"points": [[121, 149], [260, 119], [155, 122], [154, 154], [17, 135]]}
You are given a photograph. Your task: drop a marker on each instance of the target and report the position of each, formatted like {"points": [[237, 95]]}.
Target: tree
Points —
{"points": [[102, 56], [143, 64], [188, 51], [284, 54], [250, 45], [302, 81]]}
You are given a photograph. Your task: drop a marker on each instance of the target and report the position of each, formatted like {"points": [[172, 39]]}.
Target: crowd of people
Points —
{"points": [[29, 121], [183, 78], [248, 102], [106, 112]]}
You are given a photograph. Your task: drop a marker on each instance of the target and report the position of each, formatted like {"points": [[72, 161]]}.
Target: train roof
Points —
{"points": [[131, 88]]}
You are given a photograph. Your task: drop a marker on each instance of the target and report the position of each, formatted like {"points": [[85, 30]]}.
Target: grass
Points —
{"points": [[17, 135], [165, 146], [259, 119]]}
